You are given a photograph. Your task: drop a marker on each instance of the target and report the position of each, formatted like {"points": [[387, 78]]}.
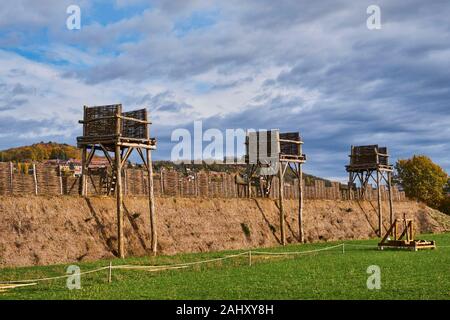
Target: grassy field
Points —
{"points": [[329, 274]]}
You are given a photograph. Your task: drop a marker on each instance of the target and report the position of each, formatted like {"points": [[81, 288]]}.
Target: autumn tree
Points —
{"points": [[422, 180]]}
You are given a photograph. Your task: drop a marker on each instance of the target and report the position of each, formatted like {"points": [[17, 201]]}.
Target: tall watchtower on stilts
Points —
{"points": [[366, 163], [109, 130], [270, 153]]}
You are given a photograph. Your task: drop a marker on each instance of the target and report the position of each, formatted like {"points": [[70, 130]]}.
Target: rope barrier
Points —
{"points": [[361, 245], [155, 268], [4, 287], [146, 268], [135, 267], [187, 264], [54, 278], [296, 252]]}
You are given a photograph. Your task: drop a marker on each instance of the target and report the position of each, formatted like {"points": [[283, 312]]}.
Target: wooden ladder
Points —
{"points": [[109, 185]]}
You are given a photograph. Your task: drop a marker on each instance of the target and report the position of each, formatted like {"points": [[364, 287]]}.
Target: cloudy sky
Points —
{"points": [[308, 66]]}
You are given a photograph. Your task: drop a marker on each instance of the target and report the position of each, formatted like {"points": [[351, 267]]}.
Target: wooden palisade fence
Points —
{"points": [[50, 180]]}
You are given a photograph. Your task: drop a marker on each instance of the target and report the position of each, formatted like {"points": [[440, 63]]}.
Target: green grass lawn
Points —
{"points": [[322, 275]]}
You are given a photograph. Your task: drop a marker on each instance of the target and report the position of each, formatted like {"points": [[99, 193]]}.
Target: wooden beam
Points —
{"points": [[96, 119], [126, 156], [161, 182], [90, 157], [118, 168], [110, 160], [391, 229], [151, 203], [93, 184], [249, 180], [281, 203], [73, 185], [380, 209], [290, 141], [391, 201], [83, 172], [142, 157], [351, 180], [61, 191], [120, 237], [301, 237], [135, 120], [35, 179], [137, 145], [11, 177]]}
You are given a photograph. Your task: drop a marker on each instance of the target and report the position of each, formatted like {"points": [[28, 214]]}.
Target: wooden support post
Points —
{"points": [[380, 209], [35, 180], [391, 201], [281, 200], [125, 182], [249, 183], [301, 235], [142, 181], [196, 192], [151, 202], [161, 181], [224, 186], [361, 189], [110, 272], [11, 177], [118, 168], [395, 230], [83, 172], [82, 188], [61, 191], [350, 186]]}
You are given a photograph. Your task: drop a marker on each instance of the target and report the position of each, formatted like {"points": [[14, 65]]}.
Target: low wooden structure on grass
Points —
{"points": [[366, 163], [404, 240], [109, 130], [270, 153]]}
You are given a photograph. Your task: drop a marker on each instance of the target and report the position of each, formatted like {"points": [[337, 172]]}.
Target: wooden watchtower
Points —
{"points": [[270, 153], [371, 162], [117, 134]]}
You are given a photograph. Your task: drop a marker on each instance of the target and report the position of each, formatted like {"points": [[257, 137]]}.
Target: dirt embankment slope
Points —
{"points": [[39, 230]]}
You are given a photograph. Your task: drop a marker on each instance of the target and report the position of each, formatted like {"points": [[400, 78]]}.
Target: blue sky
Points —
{"points": [[305, 66]]}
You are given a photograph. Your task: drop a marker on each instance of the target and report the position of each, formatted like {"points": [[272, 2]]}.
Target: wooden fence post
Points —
{"points": [[224, 185], [161, 181], [125, 181], [60, 181], [143, 188], [196, 189], [11, 170], [35, 180]]}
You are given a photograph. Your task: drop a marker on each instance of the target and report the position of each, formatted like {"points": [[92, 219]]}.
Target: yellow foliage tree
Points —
{"points": [[422, 179]]}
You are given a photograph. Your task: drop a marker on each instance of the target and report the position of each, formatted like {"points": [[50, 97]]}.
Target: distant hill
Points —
{"points": [[40, 151]]}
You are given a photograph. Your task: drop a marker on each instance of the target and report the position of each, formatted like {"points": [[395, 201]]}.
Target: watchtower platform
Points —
{"points": [[110, 130], [368, 163], [268, 153]]}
